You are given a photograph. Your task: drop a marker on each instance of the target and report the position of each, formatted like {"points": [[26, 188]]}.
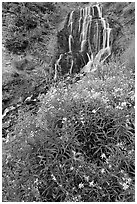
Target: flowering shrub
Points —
{"points": [[79, 146]]}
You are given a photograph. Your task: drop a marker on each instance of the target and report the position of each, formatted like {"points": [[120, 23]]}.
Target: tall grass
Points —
{"points": [[79, 146]]}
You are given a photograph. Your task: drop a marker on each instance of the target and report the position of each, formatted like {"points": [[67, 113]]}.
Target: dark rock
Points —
{"points": [[15, 75], [86, 37]]}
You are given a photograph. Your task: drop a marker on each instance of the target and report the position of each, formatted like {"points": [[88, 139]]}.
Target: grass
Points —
{"points": [[79, 146]]}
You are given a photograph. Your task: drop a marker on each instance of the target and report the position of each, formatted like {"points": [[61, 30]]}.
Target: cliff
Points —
{"points": [[85, 41]]}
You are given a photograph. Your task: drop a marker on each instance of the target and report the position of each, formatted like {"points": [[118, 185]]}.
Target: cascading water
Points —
{"points": [[84, 42]]}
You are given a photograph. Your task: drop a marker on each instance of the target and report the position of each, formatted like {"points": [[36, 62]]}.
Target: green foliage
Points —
{"points": [[25, 24], [121, 17], [79, 147]]}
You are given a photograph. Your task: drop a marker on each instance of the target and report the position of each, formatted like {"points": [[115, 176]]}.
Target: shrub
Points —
{"points": [[79, 147], [25, 24]]}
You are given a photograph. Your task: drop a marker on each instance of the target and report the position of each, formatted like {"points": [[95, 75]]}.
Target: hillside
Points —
{"points": [[68, 105]]}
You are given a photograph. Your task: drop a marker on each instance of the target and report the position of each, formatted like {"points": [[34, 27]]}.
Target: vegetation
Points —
{"points": [[80, 143], [26, 24]]}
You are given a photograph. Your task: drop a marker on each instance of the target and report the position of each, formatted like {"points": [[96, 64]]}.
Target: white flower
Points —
{"points": [[118, 107], [86, 178], [102, 171], [118, 89], [110, 166], [129, 180], [125, 186], [53, 177], [120, 144], [71, 168], [31, 134], [82, 120], [131, 151], [81, 185], [94, 111], [103, 156], [36, 181], [91, 183], [64, 119], [123, 104]]}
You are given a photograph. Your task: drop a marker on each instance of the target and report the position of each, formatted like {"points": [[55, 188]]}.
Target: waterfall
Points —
{"points": [[71, 67], [80, 19], [71, 21], [70, 43], [97, 9], [56, 67], [87, 37]]}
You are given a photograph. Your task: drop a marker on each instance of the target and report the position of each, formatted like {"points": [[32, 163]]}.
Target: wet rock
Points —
{"points": [[85, 38]]}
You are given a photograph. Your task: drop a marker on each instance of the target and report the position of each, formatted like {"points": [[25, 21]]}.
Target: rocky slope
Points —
{"points": [[27, 74], [68, 138], [27, 70]]}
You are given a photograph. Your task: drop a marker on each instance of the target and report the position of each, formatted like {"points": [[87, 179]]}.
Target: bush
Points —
{"points": [[79, 147], [25, 24], [16, 46]]}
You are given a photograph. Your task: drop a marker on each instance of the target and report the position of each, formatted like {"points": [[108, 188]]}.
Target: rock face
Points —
{"points": [[84, 42]]}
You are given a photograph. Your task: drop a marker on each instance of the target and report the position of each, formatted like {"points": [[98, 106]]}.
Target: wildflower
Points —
{"points": [[94, 111], [36, 181], [7, 139], [91, 183], [102, 171], [86, 178], [125, 186], [110, 166], [31, 134], [8, 158], [53, 177], [123, 104], [132, 98], [118, 107], [103, 156], [118, 90], [119, 144], [71, 168], [131, 151], [64, 119], [81, 185], [82, 120]]}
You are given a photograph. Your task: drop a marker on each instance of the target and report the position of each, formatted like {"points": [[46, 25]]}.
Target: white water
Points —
{"points": [[56, 72], [79, 28], [87, 16], [108, 34], [70, 39], [57, 65], [88, 56], [71, 21], [99, 11], [83, 45], [71, 67]]}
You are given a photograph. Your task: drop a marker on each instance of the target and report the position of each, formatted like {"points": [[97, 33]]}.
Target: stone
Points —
{"points": [[84, 42]]}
